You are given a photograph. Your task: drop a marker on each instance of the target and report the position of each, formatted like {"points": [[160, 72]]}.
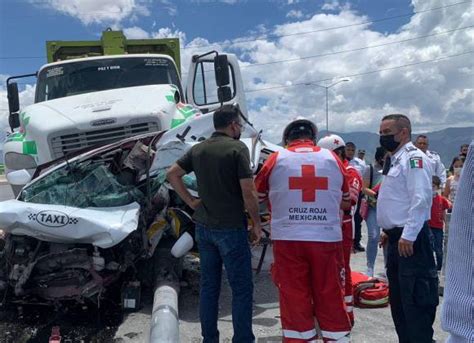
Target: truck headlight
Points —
{"points": [[16, 161]]}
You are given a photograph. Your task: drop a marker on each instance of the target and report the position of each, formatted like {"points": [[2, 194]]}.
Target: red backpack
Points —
{"points": [[369, 292]]}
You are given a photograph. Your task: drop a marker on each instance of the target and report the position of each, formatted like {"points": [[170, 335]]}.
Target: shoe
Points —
{"points": [[370, 272], [359, 248]]}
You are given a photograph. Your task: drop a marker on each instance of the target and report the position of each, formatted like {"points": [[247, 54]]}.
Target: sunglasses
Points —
{"points": [[242, 127]]}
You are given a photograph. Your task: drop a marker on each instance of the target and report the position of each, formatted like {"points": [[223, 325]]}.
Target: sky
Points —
{"points": [[413, 57]]}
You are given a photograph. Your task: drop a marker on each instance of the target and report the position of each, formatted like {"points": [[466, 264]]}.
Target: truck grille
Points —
{"points": [[67, 143]]}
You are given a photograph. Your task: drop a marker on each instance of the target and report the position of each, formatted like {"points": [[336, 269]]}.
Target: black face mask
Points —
{"points": [[238, 136], [389, 142]]}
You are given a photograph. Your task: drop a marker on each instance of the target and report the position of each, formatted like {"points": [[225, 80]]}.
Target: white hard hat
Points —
{"points": [[302, 125], [331, 142]]}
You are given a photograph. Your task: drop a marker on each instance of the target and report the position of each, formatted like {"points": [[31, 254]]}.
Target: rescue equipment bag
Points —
{"points": [[369, 292]]}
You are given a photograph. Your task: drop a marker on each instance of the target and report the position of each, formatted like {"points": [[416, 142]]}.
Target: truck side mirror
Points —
{"points": [[14, 120], [221, 67], [224, 94], [19, 177], [13, 99]]}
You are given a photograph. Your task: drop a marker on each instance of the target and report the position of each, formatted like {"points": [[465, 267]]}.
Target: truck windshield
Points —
{"points": [[102, 74]]}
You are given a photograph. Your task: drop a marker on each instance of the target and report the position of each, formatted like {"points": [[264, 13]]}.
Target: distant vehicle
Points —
{"points": [[97, 92]]}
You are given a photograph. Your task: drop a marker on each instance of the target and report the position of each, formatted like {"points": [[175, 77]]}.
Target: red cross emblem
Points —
{"points": [[336, 141], [308, 182]]}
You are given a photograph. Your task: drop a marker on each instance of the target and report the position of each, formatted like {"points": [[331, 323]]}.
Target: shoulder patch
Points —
{"points": [[416, 162], [411, 148], [434, 152]]}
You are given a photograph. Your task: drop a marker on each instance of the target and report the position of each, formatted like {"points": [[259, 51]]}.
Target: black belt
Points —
{"points": [[394, 231], [347, 212], [393, 234]]}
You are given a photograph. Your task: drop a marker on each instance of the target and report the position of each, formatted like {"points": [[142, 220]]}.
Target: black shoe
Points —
{"points": [[359, 248]]}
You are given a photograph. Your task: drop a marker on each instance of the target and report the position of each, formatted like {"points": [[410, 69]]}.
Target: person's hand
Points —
{"points": [[255, 234], [383, 239], [195, 203], [405, 247]]}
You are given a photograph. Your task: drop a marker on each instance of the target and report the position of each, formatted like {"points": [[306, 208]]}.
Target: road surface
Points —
{"points": [[372, 325]]}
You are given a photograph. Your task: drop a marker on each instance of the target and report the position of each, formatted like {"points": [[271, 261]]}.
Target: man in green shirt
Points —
{"points": [[226, 188]]}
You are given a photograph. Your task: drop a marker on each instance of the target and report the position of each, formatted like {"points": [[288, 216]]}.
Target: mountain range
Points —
{"points": [[445, 142]]}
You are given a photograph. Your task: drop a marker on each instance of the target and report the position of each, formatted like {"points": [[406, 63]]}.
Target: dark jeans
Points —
{"points": [[437, 235], [358, 224], [229, 247], [413, 284]]}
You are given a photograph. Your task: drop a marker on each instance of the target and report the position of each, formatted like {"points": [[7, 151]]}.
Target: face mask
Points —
{"points": [[435, 192], [389, 142], [457, 171]]}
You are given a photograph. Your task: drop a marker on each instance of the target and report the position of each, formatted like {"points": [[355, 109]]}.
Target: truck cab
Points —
{"points": [[97, 92]]}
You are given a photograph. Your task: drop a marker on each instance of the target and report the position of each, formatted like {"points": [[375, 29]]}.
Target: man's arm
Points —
{"points": [[174, 175], [420, 195], [261, 180], [249, 194], [441, 171]]}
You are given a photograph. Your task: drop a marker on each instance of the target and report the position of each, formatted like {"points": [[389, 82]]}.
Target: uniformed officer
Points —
{"points": [[403, 209], [439, 170]]}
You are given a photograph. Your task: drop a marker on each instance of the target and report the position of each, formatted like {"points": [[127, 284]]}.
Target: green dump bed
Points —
{"points": [[113, 43]]}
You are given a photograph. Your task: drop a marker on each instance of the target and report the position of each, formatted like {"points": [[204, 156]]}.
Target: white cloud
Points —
{"points": [[170, 7], [434, 95], [99, 12], [330, 5], [295, 14], [135, 32]]}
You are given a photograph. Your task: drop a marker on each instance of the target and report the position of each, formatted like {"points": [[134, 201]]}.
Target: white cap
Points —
{"points": [[182, 245], [331, 142]]}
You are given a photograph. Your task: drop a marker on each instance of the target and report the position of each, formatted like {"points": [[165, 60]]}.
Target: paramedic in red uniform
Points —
{"points": [[336, 144], [306, 186]]}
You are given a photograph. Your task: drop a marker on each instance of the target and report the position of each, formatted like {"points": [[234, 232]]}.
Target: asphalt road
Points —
{"points": [[372, 325]]}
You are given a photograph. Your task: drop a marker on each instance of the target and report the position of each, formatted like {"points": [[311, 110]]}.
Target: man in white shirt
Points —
{"points": [[403, 209], [439, 170]]}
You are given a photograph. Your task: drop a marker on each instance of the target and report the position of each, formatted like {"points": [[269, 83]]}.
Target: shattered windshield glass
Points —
{"points": [[114, 178], [66, 79], [81, 185]]}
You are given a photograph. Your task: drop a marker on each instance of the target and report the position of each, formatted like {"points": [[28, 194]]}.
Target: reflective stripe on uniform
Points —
{"points": [[339, 336], [299, 334], [348, 298], [349, 309]]}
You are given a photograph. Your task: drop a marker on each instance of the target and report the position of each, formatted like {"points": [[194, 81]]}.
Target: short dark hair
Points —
{"points": [[464, 146], [421, 136], [225, 115], [401, 121], [436, 181], [351, 144]]}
